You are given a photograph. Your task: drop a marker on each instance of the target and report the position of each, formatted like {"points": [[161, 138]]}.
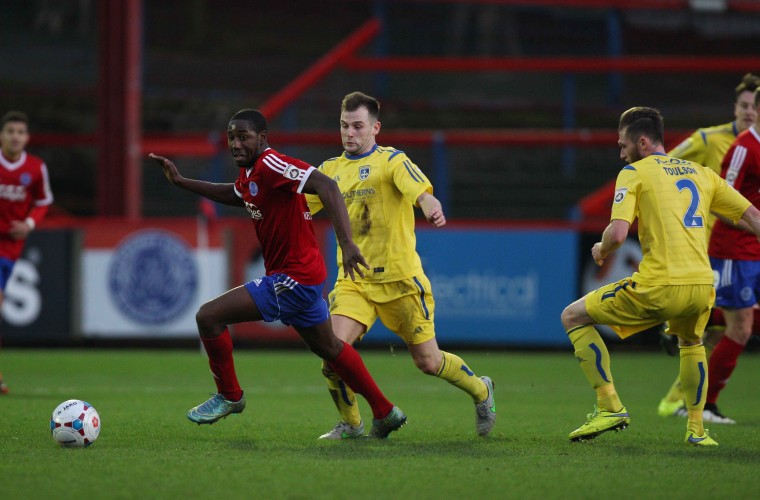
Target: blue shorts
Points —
{"points": [[737, 282], [280, 297], [6, 266]]}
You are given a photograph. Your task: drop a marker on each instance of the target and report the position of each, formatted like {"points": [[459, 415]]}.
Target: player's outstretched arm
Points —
{"points": [[614, 236], [219, 192], [752, 217], [432, 209], [741, 224], [329, 193]]}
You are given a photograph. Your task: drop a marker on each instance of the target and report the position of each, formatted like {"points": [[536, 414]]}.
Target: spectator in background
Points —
{"points": [[381, 186], [708, 146], [671, 198], [25, 196], [270, 187]]}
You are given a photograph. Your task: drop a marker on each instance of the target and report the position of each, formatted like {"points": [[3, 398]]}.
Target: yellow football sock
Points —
{"points": [[343, 397], [607, 398], [676, 392], [594, 358], [454, 370], [710, 339], [694, 383]]}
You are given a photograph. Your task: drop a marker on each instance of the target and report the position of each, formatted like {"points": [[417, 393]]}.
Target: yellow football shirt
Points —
{"points": [[380, 189], [707, 146], [671, 198]]}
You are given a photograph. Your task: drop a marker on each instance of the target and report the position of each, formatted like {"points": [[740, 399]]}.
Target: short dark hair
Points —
{"points": [[640, 121], [14, 116], [254, 117], [356, 100], [749, 83]]}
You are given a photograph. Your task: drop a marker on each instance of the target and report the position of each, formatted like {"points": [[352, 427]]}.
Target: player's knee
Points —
{"points": [[688, 340], [325, 352], [739, 335], [208, 326], [202, 317], [427, 365], [567, 318]]}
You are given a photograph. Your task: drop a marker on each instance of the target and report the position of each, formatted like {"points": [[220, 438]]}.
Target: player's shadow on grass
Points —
{"points": [[722, 454], [243, 445], [492, 446]]}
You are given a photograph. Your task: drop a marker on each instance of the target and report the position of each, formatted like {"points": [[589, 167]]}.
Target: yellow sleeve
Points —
{"points": [[691, 149], [408, 177], [314, 201], [625, 204]]}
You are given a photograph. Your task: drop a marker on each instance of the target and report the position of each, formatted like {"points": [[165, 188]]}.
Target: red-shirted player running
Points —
{"points": [[735, 259], [25, 195], [270, 186]]}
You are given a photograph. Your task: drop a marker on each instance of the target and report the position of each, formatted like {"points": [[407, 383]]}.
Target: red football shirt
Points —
{"points": [[271, 190], [24, 184], [741, 169]]}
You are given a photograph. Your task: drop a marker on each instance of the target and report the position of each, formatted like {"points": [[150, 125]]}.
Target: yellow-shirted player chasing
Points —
{"points": [[381, 186], [671, 198], [707, 146]]}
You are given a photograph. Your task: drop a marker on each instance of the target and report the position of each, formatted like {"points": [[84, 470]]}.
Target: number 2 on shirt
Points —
{"points": [[689, 219]]}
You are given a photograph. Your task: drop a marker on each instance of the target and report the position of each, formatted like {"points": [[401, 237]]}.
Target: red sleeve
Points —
{"points": [[284, 172], [38, 213], [41, 192], [731, 168]]}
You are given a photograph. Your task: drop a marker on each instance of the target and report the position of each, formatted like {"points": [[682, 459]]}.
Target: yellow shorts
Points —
{"points": [[406, 307], [629, 307]]}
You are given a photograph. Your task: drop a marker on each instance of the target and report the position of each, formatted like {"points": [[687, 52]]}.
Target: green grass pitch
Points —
{"points": [[148, 449]]}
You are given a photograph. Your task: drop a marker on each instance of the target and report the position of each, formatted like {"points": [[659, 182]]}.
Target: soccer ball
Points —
{"points": [[75, 424]]}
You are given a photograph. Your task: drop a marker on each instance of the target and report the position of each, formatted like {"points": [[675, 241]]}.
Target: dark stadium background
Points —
{"points": [[514, 119]]}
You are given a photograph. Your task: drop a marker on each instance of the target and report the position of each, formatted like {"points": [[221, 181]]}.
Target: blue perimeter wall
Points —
{"points": [[493, 286]]}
